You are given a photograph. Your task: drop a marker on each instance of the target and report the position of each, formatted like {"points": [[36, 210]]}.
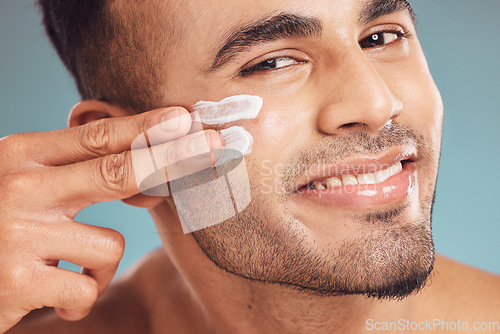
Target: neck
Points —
{"points": [[233, 304], [238, 303], [260, 308]]}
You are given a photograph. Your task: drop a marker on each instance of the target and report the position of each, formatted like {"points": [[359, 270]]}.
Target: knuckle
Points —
{"points": [[146, 122], [6, 142], [11, 143], [95, 136], [172, 154], [13, 233], [89, 292], [113, 245], [13, 183], [14, 278], [113, 171], [85, 294], [12, 139]]}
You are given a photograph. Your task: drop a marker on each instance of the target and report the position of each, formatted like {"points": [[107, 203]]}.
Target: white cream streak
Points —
{"points": [[237, 143], [230, 109]]}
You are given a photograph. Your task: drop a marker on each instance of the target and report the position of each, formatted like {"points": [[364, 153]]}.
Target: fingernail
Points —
{"points": [[171, 121], [200, 146]]}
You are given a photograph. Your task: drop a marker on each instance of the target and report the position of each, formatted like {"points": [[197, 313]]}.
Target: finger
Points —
{"points": [[98, 138], [97, 249], [120, 176], [71, 294], [143, 201]]}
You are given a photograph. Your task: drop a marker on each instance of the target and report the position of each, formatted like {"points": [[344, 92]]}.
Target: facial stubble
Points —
{"points": [[391, 258]]}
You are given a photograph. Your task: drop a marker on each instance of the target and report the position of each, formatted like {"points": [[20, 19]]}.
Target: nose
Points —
{"points": [[358, 98]]}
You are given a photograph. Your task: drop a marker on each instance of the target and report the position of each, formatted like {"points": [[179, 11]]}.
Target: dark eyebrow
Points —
{"points": [[280, 26], [374, 9]]}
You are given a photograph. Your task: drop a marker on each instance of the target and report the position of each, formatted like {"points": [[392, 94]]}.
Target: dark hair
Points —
{"points": [[111, 50]]}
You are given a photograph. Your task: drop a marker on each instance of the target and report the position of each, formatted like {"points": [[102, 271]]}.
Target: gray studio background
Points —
{"points": [[461, 41]]}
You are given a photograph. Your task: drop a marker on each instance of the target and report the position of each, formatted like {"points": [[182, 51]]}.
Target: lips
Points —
{"points": [[362, 182]]}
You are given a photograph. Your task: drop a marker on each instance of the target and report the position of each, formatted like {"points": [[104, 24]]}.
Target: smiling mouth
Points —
{"points": [[376, 177], [363, 183]]}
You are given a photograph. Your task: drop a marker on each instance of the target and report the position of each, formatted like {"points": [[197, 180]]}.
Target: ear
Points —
{"points": [[91, 110]]}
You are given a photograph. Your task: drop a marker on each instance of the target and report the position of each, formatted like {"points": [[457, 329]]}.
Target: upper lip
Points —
{"points": [[357, 165]]}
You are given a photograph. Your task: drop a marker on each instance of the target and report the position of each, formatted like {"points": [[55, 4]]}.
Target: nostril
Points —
{"points": [[353, 125]]}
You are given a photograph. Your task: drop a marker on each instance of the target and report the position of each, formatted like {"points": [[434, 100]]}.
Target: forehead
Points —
{"points": [[220, 13], [180, 39], [210, 22], [215, 18]]}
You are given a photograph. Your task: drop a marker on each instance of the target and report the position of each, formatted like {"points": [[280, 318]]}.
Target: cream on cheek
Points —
{"points": [[231, 109]]}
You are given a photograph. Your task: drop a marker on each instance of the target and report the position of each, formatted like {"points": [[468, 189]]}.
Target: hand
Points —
{"points": [[46, 179]]}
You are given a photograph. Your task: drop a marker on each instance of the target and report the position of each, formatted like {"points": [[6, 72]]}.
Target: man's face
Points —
{"points": [[346, 92]]}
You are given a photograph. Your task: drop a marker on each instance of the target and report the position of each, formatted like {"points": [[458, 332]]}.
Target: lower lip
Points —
{"points": [[394, 190]]}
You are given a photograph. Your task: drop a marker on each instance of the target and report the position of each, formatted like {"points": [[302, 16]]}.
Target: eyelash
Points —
{"points": [[254, 69], [267, 62], [401, 34]]}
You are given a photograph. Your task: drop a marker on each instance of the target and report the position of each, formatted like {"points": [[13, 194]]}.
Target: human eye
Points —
{"points": [[382, 38], [269, 65]]}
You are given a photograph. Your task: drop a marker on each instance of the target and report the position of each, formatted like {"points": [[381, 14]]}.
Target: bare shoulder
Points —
{"points": [[459, 290]]}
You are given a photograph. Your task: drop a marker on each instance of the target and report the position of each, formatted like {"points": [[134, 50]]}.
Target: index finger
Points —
{"points": [[101, 137], [119, 176]]}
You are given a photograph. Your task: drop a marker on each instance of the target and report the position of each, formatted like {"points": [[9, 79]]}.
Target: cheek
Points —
{"points": [[423, 107], [283, 126], [423, 113]]}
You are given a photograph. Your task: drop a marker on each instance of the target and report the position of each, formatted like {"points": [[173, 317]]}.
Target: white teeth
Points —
{"points": [[398, 168], [319, 186], [333, 182], [366, 178], [382, 175], [369, 178], [349, 180]]}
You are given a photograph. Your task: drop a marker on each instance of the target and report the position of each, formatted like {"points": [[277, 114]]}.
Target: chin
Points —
{"points": [[389, 257]]}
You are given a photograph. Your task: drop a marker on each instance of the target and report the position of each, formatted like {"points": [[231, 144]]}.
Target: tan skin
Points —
{"points": [[177, 289]]}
